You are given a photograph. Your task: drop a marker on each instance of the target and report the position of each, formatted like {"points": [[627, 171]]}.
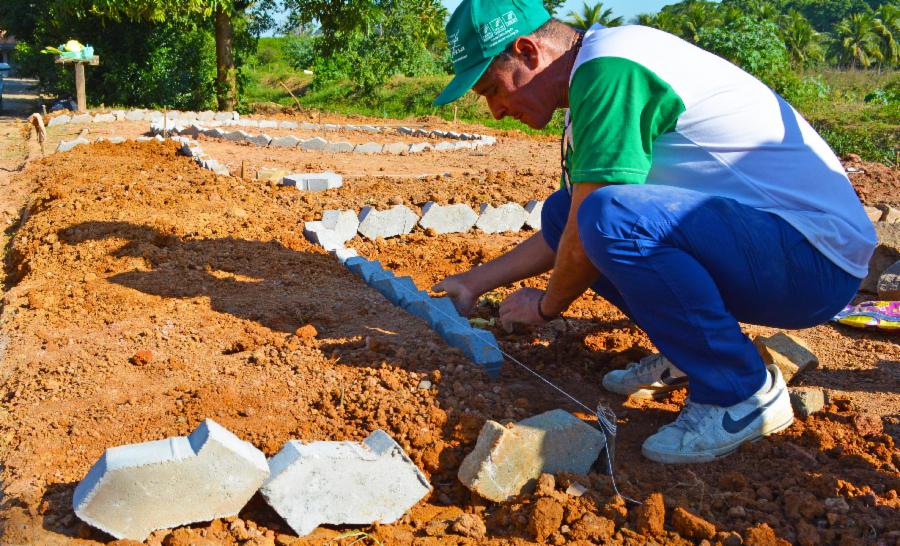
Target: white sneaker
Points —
{"points": [[653, 376], [703, 432]]}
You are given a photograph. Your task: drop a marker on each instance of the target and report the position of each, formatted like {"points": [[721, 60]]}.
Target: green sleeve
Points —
{"points": [[618, 108]]}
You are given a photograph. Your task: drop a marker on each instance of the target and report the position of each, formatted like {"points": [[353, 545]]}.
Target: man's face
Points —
{"points": [[513, 89]]}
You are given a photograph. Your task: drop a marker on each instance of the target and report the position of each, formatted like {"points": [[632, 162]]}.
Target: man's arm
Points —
{"points": [[529, 258], [573, 273]]}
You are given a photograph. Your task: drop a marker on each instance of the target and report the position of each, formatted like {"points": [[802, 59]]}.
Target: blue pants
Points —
{"points": [[687, 266]]}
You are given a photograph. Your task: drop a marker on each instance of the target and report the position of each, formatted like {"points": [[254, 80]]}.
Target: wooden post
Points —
{"points": [[79, 88], [80, 93]]}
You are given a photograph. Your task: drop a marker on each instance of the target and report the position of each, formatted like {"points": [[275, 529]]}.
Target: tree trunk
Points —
{"points": [[226, 73]]}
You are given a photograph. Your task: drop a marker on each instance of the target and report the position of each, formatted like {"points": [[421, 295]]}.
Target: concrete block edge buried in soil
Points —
{"points": [[135, 489]]}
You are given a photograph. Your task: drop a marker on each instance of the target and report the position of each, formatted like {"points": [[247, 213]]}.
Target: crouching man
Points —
{"points": [[693, 197]]}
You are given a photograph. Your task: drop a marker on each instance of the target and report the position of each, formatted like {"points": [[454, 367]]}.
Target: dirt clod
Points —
{"points": [[867, 424], [546, 518], [691, 526], [142, 358], [469, 525], [649, 518]]}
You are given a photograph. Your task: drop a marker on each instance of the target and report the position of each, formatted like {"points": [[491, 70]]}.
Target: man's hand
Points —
{"points": [[521, 307], [462, 297]]}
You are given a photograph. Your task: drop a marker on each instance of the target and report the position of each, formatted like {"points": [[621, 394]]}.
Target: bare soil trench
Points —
{"points": [[115, 249]]}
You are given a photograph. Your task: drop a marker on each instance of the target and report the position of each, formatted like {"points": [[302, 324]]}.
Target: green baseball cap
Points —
{"points": [[478, 31]]}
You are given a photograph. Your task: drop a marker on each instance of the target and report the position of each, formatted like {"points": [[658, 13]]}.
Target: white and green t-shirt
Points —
{"points": [[648, 107]]}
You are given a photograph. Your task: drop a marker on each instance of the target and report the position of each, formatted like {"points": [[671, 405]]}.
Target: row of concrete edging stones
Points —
{"points": [[189, 124]]}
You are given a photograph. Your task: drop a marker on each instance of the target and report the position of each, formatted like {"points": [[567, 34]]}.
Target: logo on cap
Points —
{"points": [[457, 50], [499, 29]]}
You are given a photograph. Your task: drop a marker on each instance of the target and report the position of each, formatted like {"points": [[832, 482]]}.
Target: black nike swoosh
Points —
{"points": [[667, 378], [733, 427]]}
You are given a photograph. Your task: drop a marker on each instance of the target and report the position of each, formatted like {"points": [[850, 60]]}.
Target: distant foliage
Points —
{"points": [[370, 41], [593, 14], [844, 33]]}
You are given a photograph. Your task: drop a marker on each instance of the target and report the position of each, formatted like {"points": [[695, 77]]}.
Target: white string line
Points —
{"points": [[607, 427]]}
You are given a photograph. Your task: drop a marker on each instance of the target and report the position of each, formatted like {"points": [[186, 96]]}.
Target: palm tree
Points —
{"points": [[889, 31], [696, 15], [856, 40], [800, 38], [593, 14]]}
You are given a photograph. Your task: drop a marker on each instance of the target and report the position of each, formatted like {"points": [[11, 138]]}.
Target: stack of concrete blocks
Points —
{"points": [[505, 218], [507, 460], [343, 483], [397, 220], [334, 229], [314, 181], [136, 489], [458, 218], [478, 345]]}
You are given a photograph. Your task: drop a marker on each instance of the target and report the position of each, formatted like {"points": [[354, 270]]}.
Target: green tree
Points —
{"points": [[225, 14], [856, 41], [590, 15], [753, 45], [888, 16], [368, 41], [825, 14], [553, 6], [800, 38]]}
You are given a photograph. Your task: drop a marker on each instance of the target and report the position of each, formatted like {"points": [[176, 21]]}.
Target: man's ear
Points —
{"points": [[528, 51]]}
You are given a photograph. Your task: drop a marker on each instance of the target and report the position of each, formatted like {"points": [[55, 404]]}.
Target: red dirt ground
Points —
{"points": [[144, 294]]}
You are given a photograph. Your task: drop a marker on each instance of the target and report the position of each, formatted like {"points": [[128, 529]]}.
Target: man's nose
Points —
{"points": [[497, 110]]}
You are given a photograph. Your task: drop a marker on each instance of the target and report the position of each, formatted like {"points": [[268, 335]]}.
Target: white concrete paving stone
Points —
{"points": [[420, 147], [193, 131], [81, 118], [404, 130], [370, 129], [59, 120], [153, 115], [289, 141], [314, 143], [66, 145], [314, 181], [339, 147], [444, 146], [344, 223], [463, 145], [318, 234], [215, 132], [142, 139], [206, 115], [508, 217], [116, 140], [136, 489], [268, 124], [533, 210], [135, 115], [306, 126], [343, 254], [458, 218], [397, 220], [261, 140], [226, 116], [396, 148], [236, 136], [288, 124], [368, 148], [421, 132], [343, 483], [330, 127]]}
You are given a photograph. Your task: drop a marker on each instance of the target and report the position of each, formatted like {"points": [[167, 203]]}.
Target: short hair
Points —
{"points": [[553, 29]]}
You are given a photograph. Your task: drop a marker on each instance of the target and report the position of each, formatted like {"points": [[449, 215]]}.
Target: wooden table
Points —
{"points": [[81, 98]]}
